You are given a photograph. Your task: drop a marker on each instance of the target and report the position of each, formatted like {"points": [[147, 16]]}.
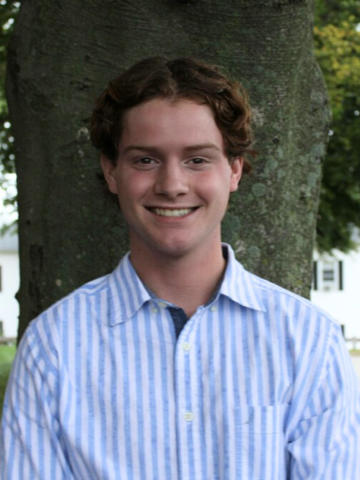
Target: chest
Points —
{"points": [[211, 404]]}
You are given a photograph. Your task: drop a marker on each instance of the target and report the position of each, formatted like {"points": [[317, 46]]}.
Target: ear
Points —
{"points": [[236, 166], [108, 169]]}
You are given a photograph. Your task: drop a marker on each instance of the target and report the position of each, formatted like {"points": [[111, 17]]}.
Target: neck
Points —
{"points": [[187, 281]]}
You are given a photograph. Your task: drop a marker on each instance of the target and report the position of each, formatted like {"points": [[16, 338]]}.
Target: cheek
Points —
{"points": [[215, 186], [133, 187]]}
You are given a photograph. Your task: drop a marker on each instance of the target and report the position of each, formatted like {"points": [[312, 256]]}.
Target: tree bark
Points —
{"points": [[61, 56]]}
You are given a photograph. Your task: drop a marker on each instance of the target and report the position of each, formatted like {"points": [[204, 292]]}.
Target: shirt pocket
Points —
{"points": [[260, 441]]}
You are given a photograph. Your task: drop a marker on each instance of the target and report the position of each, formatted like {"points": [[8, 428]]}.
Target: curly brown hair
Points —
{"points": [[182, 78]]}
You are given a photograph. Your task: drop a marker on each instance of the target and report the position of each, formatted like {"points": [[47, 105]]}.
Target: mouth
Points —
{"points": [[171, 212]]}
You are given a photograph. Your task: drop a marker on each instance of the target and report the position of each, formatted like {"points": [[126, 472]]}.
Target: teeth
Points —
{"points": [[164, 212]]}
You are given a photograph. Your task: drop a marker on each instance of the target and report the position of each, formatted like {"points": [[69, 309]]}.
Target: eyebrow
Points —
{"points": [[139, 148], [189, 148], [202, 146]]}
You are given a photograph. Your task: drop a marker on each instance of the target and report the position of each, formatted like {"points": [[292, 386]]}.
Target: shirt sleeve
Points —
{"points": [[325, 442], [30, 442]]}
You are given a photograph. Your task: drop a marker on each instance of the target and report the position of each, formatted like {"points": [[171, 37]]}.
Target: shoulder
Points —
{"points": [[297, 311], [269, 290], [264, 296], [68, 315], [284, 311], [75, 299], [308, 331]]}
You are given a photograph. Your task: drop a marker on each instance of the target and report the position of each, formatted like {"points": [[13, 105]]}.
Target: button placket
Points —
{"points": [[185, 352]]}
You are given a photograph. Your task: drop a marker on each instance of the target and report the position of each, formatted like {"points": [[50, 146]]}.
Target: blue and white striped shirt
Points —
{"points": [[258, 385]]}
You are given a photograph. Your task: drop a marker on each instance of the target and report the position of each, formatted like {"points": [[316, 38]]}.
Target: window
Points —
{"points": [[328, 275], [328, 272]]}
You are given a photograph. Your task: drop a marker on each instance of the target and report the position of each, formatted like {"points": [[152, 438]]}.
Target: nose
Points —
{"points": [[171, 180]]}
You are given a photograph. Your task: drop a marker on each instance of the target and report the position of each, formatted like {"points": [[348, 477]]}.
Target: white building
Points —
{"points": [[9, 285], [336, 288]]}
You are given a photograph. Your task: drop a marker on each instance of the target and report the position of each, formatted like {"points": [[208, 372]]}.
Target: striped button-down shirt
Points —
{"points": [[258, 385]]}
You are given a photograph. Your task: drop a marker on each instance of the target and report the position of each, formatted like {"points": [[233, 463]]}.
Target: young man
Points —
{"points": [[180, 364]]}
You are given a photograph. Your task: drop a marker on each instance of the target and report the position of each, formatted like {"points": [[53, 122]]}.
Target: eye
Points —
{"points": [[145, 161], [198, 161]]}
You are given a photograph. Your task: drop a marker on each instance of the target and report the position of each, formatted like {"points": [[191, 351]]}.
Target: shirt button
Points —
{"points": [[155, 310], [213, 308], [162, 304], [186, 346], [188, 416]]}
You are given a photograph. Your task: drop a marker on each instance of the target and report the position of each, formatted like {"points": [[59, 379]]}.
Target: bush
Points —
{"points": [[7, 354]]}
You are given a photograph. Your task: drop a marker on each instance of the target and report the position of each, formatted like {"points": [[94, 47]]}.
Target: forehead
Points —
{"points": [[163, 121]]}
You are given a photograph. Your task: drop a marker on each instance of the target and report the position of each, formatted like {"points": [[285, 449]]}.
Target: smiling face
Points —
{"points": [[172, 177]]}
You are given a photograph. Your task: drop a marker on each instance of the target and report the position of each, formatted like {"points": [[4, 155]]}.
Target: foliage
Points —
{"points": [[335, 11], [8, 11], [337, 47], [7, 355]]}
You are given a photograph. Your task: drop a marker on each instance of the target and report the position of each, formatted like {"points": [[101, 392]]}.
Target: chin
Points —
{"points": [[174, 248], [175, 251]]}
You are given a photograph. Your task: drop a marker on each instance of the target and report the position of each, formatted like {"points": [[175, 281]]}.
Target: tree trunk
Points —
{"points": [[61, 56]]}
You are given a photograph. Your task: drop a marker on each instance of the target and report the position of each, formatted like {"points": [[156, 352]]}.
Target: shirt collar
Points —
{"points": [[240, 285], [127, 293]]}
